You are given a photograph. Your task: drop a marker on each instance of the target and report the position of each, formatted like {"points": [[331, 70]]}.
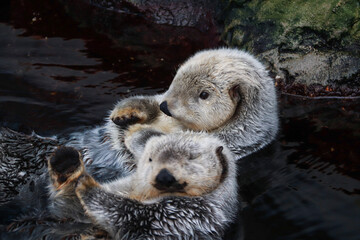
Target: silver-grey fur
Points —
{"points": [[254, 123], [241, 109], [111, 206], [167, 217]]}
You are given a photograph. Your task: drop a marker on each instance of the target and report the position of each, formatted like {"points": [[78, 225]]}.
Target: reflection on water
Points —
{"points": [[59, 75], [57, 62], [306, 184]]}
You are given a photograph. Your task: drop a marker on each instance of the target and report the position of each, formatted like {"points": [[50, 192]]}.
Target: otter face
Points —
{"points": [[179, 167], [205, 92]]}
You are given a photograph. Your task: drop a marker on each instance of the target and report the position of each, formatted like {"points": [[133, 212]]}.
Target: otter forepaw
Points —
{"points": [[134, 110], [65, 166], [127, 116]]}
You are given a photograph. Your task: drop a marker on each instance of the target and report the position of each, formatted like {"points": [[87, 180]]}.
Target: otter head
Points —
{"points": [[180, 165], [209, 87]]}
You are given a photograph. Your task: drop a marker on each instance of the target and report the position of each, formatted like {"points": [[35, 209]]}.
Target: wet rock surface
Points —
{"points": [[183, 13], [311, 46]]}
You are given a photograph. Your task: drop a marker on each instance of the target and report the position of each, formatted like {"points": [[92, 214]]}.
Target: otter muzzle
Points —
{"points": [[165, 178], [166, 182], [164, 108]]}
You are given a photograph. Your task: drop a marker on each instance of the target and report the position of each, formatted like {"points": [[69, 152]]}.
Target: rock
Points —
{"points": [[184, 13], [313, 47], [139, 40]]}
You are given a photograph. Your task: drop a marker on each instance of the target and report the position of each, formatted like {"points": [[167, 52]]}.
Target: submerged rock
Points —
{"points": [[313, 47]]}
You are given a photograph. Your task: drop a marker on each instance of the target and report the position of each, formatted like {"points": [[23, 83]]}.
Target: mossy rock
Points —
{"points": [[304, 42]]}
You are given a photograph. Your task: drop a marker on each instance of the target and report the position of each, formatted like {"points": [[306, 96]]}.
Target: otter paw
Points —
{"points": [[65, 166], [65, 160], [128, 116]]}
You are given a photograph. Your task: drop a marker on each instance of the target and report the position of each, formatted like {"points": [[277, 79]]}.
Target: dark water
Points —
{"points": [[63, 67]]}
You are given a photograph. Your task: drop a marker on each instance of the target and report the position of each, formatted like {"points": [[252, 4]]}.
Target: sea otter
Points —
{"points": [[224, 91], [184, 187]]}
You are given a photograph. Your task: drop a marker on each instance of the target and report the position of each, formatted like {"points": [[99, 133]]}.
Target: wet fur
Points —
{"points": [[241, 108], [115, 208], [162, 216]]}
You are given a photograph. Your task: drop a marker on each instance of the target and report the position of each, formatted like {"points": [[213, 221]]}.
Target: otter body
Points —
{"points": [[184, 187]]}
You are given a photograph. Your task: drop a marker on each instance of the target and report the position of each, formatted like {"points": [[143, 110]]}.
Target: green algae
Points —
{"points": [[303, 42], [330, 19]]}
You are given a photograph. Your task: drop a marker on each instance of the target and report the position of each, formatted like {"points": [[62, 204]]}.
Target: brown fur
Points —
{"points": [[57, 178], [128, 112], [85, 183]]}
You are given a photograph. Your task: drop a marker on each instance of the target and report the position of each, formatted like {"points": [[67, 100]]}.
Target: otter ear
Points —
{"points": [[223, 162], [219, 150], [234, 93]]}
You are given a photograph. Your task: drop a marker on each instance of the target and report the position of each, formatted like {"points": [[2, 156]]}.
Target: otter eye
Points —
{"points": [[194, 156], [204, 95], [150, 160]]}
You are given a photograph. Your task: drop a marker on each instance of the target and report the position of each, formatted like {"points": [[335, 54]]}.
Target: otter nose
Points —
{"points": [[164, 108], [165, 178]]}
